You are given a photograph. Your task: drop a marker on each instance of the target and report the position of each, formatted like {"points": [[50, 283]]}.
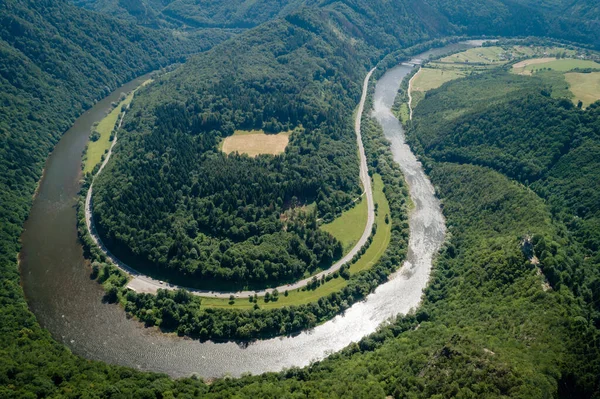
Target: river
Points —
{"points": [[58, 288]]}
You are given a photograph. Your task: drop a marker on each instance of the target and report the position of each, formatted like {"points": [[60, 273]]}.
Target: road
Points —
{"points": [[145, 284]]}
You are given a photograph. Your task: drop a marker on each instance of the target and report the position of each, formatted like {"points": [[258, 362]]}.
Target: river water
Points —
{"points": [[55, 276]]}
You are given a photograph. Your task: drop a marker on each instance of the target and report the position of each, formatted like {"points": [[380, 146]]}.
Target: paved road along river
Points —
{"points": [[68, 303]]}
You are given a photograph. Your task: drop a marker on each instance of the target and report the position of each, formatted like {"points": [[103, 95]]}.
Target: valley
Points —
{"points": [[439, 240]]}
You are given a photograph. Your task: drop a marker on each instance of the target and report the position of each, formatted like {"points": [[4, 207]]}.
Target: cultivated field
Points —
{"points": [[255, 142], [584, 86]]}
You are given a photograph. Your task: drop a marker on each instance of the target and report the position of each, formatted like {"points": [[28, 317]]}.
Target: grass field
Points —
{"points": [[478, 55], [584, 86], [429, 78], [528, 67], [382, 237], [380, 242], [96, 149], [255, 142], [349, 226]]}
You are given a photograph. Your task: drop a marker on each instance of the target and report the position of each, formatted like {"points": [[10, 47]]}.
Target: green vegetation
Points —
{"points": [[584, 86], [193, 13], [550, 145], [97, 148], [371, 256], [486, 329], [561, 65], [348, 227], [382, 236]]}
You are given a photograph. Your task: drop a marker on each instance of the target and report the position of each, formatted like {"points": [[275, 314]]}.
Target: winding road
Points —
{"points": [[145, 284]]}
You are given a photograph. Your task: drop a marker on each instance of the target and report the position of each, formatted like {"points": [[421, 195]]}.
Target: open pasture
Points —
{"points": [[528, 67], [584, 86]]}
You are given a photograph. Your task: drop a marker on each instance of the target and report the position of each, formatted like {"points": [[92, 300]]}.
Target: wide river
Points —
{"points": [[57, 284]]}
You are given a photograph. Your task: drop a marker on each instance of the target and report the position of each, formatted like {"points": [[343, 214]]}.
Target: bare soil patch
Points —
{"points": [[255, 143]]}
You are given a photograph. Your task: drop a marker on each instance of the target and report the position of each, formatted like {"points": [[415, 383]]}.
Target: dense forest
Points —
{"points": [[574, 20], [518, 126], [42, 88], [486, 322], [171, 203], [192, 14]]}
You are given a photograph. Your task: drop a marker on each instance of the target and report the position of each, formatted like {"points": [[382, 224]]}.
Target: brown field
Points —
{"points": [[255, 142]]}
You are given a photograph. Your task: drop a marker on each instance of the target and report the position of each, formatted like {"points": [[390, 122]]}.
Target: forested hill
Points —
{"points": [[571, 20], [513, 125], [193, 212], [56, 60], [195, 13]]}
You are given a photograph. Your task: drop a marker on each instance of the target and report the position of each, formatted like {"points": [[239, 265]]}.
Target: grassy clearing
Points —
{"points": [[584, 86], [479, 55], [380, 242], [349, 226], [96, 149], [561, 65], [255, 142], [382, 237], [429, 78]]}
